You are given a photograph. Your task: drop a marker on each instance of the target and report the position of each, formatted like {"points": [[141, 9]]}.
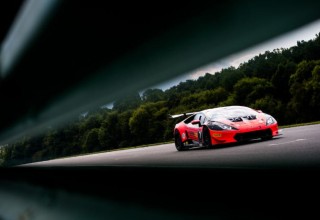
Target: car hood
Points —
{"points": [[244, 123]]}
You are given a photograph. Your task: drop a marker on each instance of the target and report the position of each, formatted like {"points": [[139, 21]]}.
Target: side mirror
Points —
{"points": [[195, 122]]}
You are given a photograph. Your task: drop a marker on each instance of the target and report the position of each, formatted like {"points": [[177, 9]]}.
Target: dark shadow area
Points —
{"points": [[238, 144], [8, 12], [242, 143], [186, 192]]}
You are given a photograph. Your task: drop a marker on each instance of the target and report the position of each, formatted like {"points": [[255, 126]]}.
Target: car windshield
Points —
{"points": [[229, 112]]}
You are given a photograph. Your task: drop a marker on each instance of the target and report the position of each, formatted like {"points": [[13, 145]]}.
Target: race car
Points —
{"points": [[223, 125]]}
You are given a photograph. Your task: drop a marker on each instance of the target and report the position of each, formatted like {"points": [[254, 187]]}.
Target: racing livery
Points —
{"points": [[223, 125]]}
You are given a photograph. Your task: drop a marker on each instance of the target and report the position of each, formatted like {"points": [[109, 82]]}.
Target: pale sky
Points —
{"points": [[287, 40]]}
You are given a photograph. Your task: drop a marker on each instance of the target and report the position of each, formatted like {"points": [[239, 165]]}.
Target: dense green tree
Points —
{"points": [[208, 81], [109, 135], [128, 102], [247, 90], [314, 85], [271, 106], [93, 120], [304, 88], [204, 99], [229, 77], [280, 80], [152, 95], [147, 123], [91, 141]]}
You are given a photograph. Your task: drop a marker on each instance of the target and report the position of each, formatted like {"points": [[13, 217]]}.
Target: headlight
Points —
{"points": [[218, 126], [270, 120]]}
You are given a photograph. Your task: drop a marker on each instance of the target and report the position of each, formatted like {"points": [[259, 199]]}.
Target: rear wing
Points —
{"points": [[182, 115]]}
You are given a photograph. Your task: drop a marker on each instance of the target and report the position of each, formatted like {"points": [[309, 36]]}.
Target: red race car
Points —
{"points": [[223, 125]]}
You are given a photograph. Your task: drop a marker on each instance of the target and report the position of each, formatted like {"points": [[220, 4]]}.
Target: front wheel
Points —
{"points": [[178, 142], [267, 137], [206, 138]]}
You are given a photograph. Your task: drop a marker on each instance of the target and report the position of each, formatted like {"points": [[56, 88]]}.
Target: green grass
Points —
{"points": [[300, 124], [139, 146]]}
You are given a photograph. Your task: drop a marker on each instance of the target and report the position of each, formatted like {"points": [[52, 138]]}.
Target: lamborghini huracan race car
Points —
{"points": [[223, 125]]}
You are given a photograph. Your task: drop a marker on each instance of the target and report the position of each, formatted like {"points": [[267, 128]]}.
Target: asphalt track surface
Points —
{"points": [[296, 147], [240, 181]]}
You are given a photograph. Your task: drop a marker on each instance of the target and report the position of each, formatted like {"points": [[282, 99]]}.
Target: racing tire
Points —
{"points": [[267, 137], [206, 138], [178, 142]]}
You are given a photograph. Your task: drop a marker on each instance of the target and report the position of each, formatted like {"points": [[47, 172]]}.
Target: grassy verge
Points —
{"points": [[301, 124], [139, 146], [117, 149]]}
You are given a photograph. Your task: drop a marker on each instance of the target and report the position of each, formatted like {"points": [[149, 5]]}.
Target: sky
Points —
{"points": [[287, 40]]}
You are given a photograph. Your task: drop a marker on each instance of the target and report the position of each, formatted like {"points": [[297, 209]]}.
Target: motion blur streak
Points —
{"points": [[28, 24]]}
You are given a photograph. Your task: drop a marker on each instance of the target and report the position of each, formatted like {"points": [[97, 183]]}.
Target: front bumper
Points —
{"points": [[233, 136]]}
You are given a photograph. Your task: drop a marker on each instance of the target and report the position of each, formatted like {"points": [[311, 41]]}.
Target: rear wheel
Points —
{"points": [[178, 142], [206, 138]]}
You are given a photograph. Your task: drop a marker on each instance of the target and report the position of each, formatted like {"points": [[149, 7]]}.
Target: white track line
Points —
{"points": [[287, 142]]}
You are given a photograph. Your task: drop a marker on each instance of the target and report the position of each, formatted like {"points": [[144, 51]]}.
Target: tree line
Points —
{"points": [[284, 82]]}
